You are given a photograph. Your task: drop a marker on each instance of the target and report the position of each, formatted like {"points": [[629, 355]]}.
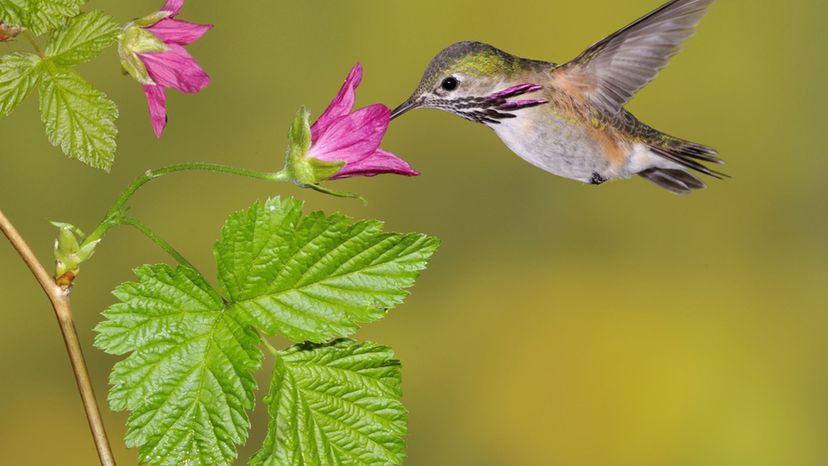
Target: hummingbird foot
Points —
{"points": [[597, 179]]}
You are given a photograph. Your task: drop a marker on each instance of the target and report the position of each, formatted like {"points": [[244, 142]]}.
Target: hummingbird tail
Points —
{"points": [[675, 180], [689, 155], [685, 156]]}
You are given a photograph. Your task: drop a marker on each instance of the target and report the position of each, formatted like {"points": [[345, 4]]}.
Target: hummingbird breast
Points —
{"points": [[564, 146]]}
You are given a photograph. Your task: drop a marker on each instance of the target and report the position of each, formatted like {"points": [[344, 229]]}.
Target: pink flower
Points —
{"points": [[152, 51], [342, 135]]}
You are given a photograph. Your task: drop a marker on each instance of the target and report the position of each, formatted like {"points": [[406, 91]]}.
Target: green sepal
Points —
{"points": [[133, 66], [299, 142], [342, 194], [152, 19], [133, 40], [139, 40], [305, 171], [322, 169]]}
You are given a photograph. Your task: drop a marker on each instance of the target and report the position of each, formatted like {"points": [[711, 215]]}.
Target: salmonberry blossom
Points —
{"points": [[152, 51], [343, 143]]}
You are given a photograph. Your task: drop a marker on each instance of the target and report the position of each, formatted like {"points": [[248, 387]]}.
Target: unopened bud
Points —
{"points": [[70, 252]]}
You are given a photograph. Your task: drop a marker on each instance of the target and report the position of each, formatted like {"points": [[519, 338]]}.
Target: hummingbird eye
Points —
{"points": [[450, 83]]}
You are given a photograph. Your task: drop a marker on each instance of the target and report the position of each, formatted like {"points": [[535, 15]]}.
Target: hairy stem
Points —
{"points": [[59, 298], [155, 238], [114, 212]]}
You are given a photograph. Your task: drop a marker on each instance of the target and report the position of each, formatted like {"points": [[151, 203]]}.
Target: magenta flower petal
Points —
{"points": [[173, 6], [342, 104], [346, 137], [380, 162], [157, 102], [176, 68], [173, 31], [353, 137]]}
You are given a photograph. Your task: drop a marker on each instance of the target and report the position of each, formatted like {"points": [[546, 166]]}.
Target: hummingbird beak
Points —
{"points": [[403, 108]]}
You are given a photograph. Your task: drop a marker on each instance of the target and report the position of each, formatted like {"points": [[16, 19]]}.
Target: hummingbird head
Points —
{"points": [[472, 80]]}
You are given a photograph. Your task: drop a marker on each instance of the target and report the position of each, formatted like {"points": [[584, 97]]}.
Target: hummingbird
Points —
{"points": [[569, 119]]}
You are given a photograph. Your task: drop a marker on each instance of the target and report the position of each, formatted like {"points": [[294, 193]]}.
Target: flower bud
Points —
{"points": [[70, 252]]}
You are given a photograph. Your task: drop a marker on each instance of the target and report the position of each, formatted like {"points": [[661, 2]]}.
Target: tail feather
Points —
{"points": [[687, 155], [675, 180], [690, 155]]}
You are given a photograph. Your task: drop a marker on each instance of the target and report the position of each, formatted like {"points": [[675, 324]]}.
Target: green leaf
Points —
{"points": [[19, 74], [39, 16], [334, 404], [188, 380], [79, 118], [13, 11], [82, 38], [50, 14], [314, 278]]}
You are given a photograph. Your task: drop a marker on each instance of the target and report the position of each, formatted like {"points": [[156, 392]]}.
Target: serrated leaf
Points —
{"points": [[334, 404], [39, 16], [314, 278], [188, 380], [79, 118], [13, 11], [19, 75], [82, 38], [50, 14]]}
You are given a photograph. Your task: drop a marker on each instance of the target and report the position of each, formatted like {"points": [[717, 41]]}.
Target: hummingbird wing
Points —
{"points": [[610, 72]]}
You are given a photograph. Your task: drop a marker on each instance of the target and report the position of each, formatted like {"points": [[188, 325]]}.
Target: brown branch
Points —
{"points": [[63, 311]]}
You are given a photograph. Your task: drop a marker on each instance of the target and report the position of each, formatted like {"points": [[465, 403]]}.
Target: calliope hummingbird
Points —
{"points": [[570, 119]]}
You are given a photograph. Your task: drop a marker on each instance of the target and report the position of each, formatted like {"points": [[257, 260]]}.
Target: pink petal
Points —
{"points": [[378, 163], [342, 103], [173, 6], [157, 101], [353, 137], [173, 31], [176, 68]]}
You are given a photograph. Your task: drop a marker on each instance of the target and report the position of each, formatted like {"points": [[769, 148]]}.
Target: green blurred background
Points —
{"points": [[560, 324]]}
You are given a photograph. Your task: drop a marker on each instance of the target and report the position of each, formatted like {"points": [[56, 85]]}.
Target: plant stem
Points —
{"points": [[111, 216], [63, 311], [272, 350], [155, 238], [29, 37]]}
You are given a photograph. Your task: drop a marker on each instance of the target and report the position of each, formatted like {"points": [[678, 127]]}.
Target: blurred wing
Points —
{"points": [[610, 72]]}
